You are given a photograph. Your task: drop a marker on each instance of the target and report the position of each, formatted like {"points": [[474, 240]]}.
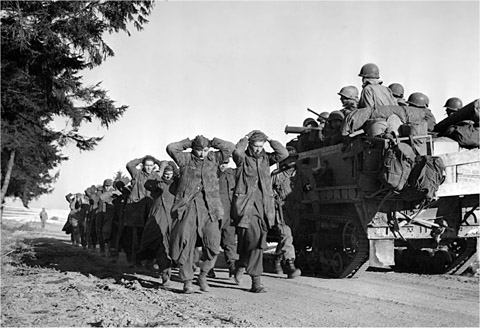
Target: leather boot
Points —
{"points": [[292, 271], [231, 271], [278, 264], [166, 277], [239, 275], [211, 273], [188, 287], [257, 286], [202, 282]]}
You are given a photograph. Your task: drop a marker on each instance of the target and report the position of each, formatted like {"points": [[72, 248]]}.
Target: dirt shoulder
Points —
{"points": [[48, 282]]}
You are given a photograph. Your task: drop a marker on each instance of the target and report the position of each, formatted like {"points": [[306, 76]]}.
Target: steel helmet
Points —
{"points": [[418, 99], [350, 92], [453, 103], [336, 115], [376, 128], [323, 116], [397, 89], [310, 121], [108, 183], [370, 70]]}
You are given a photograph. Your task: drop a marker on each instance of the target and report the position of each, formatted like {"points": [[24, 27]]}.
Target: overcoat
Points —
{"points": [[253, 172]]}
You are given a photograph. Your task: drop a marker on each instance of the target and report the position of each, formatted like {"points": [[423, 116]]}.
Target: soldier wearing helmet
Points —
{"points": [[452, 105], [397, 92], [349, 98], [310, 139], [322, 118], [310, 123], [421, 101], [322, 121], [333, 130], [418, 99], [374, 94]]}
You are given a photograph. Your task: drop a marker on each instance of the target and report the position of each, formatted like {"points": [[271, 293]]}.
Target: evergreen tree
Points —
{"points": [[45, 45]]}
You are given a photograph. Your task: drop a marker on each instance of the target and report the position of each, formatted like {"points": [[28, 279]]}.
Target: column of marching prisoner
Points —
{"points": [[116, 217]]}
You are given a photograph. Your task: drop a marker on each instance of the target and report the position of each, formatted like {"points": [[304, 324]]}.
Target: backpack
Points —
{"points": [[465, 133], [397, 165], [427, 174]]}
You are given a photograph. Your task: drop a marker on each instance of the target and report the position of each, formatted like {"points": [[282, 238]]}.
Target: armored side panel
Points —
{"points": [[351, 216]]}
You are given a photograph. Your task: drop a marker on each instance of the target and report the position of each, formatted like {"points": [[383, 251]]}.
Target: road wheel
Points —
{"points": [[350, 238], [337, 264]]}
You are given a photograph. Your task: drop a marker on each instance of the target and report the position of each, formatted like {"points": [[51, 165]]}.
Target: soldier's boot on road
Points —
{"points": [[202, 282], [166, 274], [292, 271], [231, 271], [278, 265], [238, 276], [257, 286], [187, 287], [211, 273]]}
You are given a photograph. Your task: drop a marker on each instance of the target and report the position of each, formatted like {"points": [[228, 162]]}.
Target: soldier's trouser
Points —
{"points": [[207, 261], [163, 259], [130, 242], [107, 224], [81, 227], [285, 245], [229, 246], [90, 232], [78, 235], [75, 235], [99, 229], [251, 241]]}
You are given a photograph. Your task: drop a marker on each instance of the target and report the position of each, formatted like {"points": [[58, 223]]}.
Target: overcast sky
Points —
{"points": [[222, 69]]}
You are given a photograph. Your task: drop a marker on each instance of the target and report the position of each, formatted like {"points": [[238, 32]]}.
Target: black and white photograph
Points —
{"points": [[240, 163]]}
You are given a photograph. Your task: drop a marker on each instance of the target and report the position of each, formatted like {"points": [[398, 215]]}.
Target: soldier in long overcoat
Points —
{"points": [[253, 207], [138, 204], [197, 208], [156, 235]]}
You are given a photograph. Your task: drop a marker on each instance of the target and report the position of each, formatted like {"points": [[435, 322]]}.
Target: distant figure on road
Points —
{"points": [[43, 217]]}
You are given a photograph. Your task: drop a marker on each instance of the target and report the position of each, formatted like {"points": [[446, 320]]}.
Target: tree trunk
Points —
{"points": [[6, 181]]}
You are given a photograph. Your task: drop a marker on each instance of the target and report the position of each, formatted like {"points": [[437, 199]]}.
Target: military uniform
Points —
{"points": [[197, 208], [253, 206], [156, 235], [226, 182], [137, 208], [374, 94]]}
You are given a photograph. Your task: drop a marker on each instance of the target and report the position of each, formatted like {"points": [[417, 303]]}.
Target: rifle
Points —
{"points": [[283, 168], [314, 112]]}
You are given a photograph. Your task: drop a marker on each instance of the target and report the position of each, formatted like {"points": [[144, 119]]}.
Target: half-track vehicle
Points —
{"points": [[350, 221]]}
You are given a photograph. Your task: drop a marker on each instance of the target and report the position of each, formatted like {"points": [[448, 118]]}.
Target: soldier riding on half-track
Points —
{"points": [[394, 196]]}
